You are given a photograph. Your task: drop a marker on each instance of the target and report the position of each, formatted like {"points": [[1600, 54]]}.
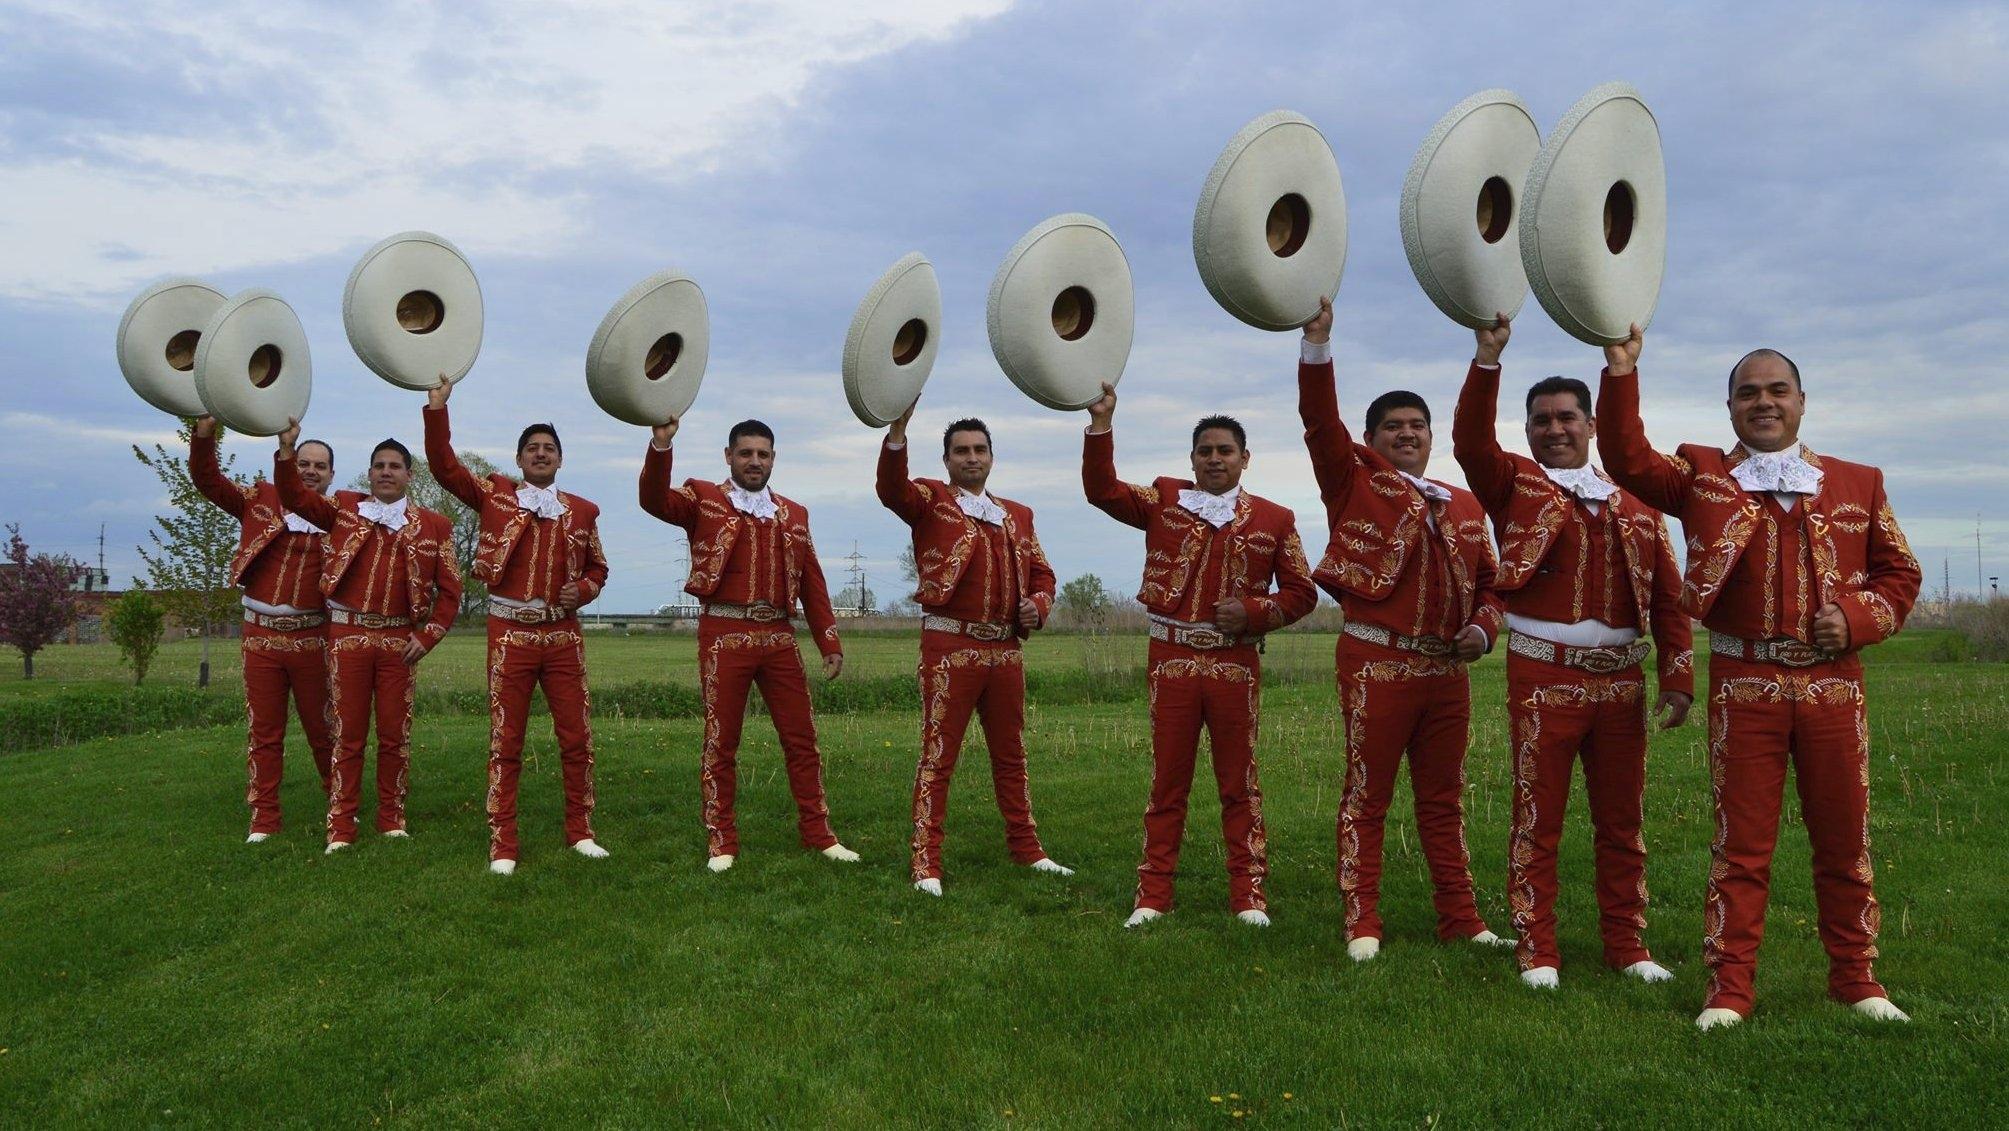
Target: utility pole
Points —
{"points": [[858, 577], [1979, 592]]}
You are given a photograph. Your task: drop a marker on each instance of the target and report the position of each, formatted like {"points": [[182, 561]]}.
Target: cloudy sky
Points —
{"points": [[1837, 178]]}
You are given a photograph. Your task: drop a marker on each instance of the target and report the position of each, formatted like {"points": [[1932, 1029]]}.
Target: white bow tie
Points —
{"points": [[1217, 509], [1435, 492], [390, 516], [759, 504], [1777, 471], [300, 525], [983, 508], [1583, 482], [540, 501]]}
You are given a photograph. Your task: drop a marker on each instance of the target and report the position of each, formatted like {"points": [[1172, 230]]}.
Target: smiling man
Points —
{"points": [[393, 589], [1412, 568], [1586, 571], [984, 585], [541, 559], [1211, 550], [1795, 564], [751, 561], [277, 563]]}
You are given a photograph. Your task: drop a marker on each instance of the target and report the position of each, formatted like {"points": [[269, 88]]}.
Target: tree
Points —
{"points": [[36, 601], [425, 491], [134, 623], [189, 564], [904, 605], [1085, 601], [850, 597]]}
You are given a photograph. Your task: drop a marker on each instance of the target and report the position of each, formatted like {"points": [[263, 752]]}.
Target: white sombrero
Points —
{"points": [[1269, 235], [1460, 205], [158, 338], [1594, 221], [413, 310], [1061, 311], [648, 356], [893, 341], [252, 371]]}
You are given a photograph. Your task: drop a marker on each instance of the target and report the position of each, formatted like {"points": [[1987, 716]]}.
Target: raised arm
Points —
{"points": [[1125, 502], [1325, 436], [1659, 480], [675, 506], [446, 467], [901, 495], [207, 474], [1474, 437], [1877, 610], [316, 508]]}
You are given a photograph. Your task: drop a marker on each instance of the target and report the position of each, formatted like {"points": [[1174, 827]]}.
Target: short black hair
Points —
{"points": [[749, 428], [387, 445], [1390, 401], [1763, 351], [548, 430], [323, 443], [966, 424], [1549, 386], [1219, 421]]}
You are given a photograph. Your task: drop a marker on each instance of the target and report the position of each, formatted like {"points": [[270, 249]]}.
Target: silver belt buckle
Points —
{"points": [[1795, 653], [1600, 661], [1206, 638], [764, 614], [1432, 646]]}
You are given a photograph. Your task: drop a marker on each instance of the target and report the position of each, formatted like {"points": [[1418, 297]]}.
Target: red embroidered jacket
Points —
{"points": [[716, 527], [432, 577], [1189, 564], [1842, 543], [956, 578], [274, 565]]}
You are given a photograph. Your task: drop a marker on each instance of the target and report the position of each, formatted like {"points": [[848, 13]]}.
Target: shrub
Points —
{"points": [[134, 624], [1985, 624]]}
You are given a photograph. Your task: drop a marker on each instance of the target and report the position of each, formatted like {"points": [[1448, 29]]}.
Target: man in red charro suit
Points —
{"points": [[751, 560], [392, 590], [285, 644], [1586, 571], [1210, 552], [540, 556], [1795, 564], [1412, 567], [984, 585]]}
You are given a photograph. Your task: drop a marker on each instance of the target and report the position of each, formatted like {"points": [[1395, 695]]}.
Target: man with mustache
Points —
{"points": [[285, 644], [1795, 564], [540, 557], [1211, 550], [1586, 571], [984, 585], [751, 560], [393, 590], [1412, 567]]}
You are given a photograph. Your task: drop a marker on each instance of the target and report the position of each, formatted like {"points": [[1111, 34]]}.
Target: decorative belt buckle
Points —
{"points": [[371, 620], [1206, 638], [1432, 646], [1600, 661], [763, 613], [285, 623], [1797, 654], [987, 632]]}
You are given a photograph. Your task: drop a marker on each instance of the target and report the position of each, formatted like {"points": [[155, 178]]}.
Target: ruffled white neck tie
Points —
{"points": [[759, 504], [1583, 482], [540, 501], [300, 525], [1216, 509], [390, 516], [983, 508], [1777, 471], [1435, 492]]}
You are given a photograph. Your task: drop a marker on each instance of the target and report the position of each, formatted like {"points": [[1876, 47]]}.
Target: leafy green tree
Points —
{"points": [[1086, 602], [189, 562], [134, 623]]}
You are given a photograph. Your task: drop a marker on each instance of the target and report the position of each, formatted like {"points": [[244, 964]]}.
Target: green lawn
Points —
{"points": [[160, 971]]}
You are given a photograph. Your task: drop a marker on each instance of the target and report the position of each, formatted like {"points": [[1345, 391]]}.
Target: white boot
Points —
{"points": [[334, 846], [930, 885], [1142, 916], [398, 834], [1253, 918], [1647, 970], [258, 838], [1488, 938], [502, 867], [721, 862], [1048, 865], [1363, 948], [1880, 1009], [840, 853], [1717, 1019], [1541, 977], [589, 849]]}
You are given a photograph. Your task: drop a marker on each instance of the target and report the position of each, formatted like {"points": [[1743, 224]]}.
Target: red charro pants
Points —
{"points": [[1395, 702], [733, 656], [1554, 714], [276, 663], [366, 671], [1220, 690], [960, 676], [1761, 717], [520, 658]]}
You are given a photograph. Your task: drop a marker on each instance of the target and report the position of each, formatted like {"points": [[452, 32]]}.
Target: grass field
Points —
{"points": [[162, 972]]}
